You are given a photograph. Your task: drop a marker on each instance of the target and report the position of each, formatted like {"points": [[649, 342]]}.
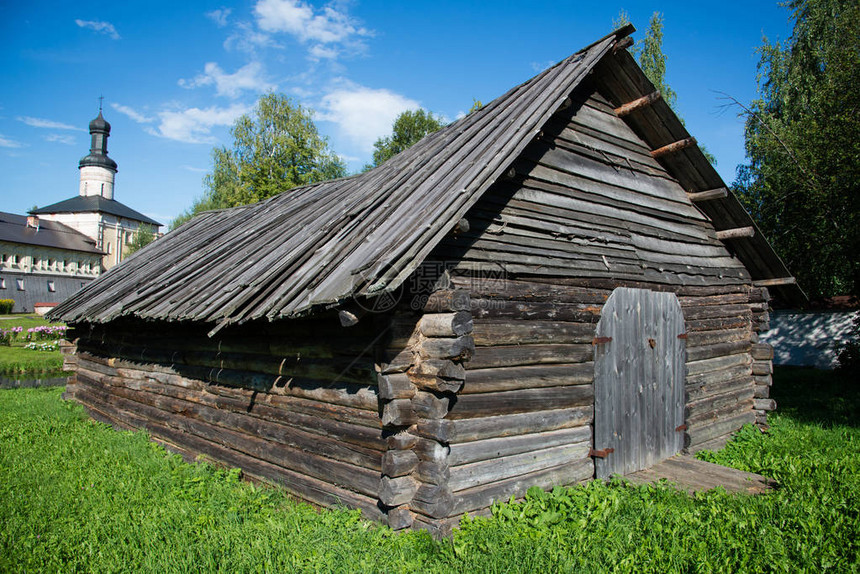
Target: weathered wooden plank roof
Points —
{"points": [[323, 243], [319, 245]]}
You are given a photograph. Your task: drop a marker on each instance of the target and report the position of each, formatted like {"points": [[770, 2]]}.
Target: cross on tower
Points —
{"points": [[101, 98]]}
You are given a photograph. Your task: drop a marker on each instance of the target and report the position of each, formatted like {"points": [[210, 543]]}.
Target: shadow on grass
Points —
{"points": [[831, 398]]}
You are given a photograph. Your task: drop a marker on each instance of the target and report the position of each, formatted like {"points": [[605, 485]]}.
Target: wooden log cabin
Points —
{"points": [[554, 288]]}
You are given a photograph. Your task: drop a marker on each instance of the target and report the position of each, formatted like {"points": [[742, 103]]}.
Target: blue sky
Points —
{"points": [[174, 75]]}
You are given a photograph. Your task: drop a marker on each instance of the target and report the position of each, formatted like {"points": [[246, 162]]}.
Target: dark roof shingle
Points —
{"points": [[14, 229], [95, 203]]}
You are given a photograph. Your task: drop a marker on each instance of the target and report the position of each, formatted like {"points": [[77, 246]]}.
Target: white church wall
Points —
{"points": [[97, 180], [85, 222]]}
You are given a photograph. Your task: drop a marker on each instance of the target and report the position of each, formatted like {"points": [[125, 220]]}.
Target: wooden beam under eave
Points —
{"points": [[637, 104], [776, 282], [735, 233], [622, 44], [673, 147], [708, 195]]}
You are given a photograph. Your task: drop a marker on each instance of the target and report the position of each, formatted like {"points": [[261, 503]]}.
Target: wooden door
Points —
{"points": [[639, 372]]}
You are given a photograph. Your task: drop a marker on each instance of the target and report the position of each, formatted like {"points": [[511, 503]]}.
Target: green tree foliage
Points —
{"points": [[803, 146], [408, 128], [649, 53], [652, 60], [275, 148], [144, 236]]}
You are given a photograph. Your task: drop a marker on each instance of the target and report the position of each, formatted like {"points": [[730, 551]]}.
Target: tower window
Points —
{"points": [[20, 284], [51, 287], [2, 282]]}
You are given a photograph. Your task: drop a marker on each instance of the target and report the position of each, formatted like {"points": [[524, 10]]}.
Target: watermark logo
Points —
{"points": [[382, 301]]}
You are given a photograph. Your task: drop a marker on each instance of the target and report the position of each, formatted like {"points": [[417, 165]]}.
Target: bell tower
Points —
{"points": [[97, 169]]}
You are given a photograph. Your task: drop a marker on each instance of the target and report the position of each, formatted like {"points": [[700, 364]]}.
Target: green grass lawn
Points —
{"points": [[77, 496], [17, 359]]}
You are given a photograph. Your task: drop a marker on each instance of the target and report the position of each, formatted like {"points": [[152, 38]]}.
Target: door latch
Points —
{"points": [[600, 453]]}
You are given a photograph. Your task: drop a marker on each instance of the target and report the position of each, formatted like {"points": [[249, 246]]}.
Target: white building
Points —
{"points": [[49, 255], [94, 211], [43, 262]]}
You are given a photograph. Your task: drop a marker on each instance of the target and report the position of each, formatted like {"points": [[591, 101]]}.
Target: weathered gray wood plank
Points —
{"points": [[693, 475]]}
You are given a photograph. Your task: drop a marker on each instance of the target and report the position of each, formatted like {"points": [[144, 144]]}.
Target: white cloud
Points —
{"points": [[301, 92], [362, 115], [193, 169], [132, 113], [101, 27], [322, 28], [249, 77], [248, 39], [50, 124], [194, 125], [6, 142], [219, 16], [320, 52], [61, 138]]}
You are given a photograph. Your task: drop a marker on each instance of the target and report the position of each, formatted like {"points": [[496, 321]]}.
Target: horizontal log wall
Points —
{"points": [[529, 395], [523, 415], [588, 211], [296, 405]]}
